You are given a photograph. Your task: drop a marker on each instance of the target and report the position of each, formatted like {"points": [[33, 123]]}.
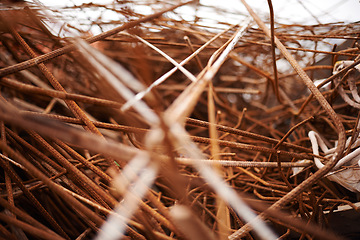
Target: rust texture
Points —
{"points": [[128, 123]]}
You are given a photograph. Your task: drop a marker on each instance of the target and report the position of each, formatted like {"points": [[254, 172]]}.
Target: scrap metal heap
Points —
{"points": [[170, 124]]}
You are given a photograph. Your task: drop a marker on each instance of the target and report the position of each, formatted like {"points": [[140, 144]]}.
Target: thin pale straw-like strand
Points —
{"points": [[184, 104], [348, 141], [353, 88], [113, 67], [349, 178], [224, 191], [170, 59], [160, 80], [111, 212], [114, 228], [351, 156], [316, 141], [174, 115], [103, 67], [347, 99]]}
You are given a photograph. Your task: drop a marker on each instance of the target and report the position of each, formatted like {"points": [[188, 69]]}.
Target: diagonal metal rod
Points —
{"points": [[71, 47]]}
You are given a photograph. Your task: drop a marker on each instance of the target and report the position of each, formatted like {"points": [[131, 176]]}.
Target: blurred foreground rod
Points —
{"points": [[52, 128], [71, 47], [175, 115]]}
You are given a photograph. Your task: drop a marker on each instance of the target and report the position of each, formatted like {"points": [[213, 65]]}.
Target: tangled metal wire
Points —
{"points": [[168, 124]]}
